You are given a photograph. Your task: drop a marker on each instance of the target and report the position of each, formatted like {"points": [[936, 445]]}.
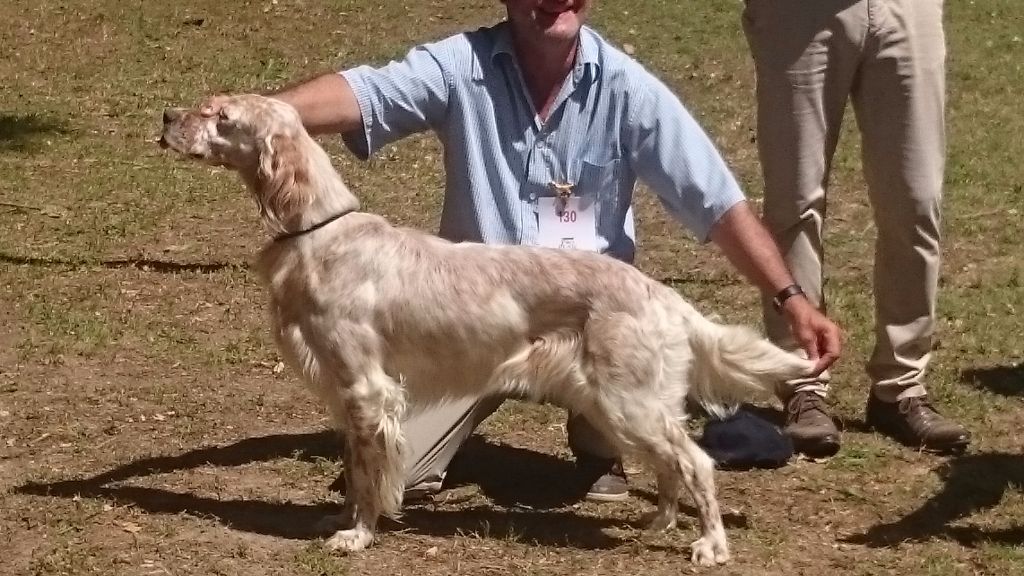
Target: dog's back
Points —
{"points": [[444, 312]]}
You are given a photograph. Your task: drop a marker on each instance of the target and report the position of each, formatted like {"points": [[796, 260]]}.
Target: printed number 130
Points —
{"points": [[568, 216]]}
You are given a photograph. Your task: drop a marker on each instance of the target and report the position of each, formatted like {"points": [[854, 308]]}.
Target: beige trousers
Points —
{"points": [[435, 434], [888, 58]]}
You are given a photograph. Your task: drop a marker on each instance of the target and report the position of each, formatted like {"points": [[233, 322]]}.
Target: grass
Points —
{"points": [[144, 429]]}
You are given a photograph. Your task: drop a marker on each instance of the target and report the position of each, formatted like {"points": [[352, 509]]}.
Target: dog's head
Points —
{"points": [[232, 131], [262, 138]]}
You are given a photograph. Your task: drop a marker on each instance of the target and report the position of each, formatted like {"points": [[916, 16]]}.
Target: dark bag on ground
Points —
{"points": [[744, 441]]}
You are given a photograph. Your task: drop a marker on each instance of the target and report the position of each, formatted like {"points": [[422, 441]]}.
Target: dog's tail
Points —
{"points": [[734, 363]]}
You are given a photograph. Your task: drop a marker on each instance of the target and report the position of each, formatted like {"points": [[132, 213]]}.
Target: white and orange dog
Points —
{"points": [[377, 319]]}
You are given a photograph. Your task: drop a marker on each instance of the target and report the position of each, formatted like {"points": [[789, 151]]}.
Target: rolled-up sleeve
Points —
{"points": [[676, 159], [401, 98]]}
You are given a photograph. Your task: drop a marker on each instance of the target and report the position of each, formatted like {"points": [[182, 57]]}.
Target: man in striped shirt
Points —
{"points": [[530, 108]]}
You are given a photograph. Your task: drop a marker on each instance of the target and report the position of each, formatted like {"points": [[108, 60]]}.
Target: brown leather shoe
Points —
{"points": [[611, 484], [809, 425], [915, 422]]}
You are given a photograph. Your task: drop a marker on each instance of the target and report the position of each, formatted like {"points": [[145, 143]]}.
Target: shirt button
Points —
{"points": [[533, 196]]}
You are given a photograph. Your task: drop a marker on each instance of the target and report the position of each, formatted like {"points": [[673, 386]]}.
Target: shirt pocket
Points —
{"points": [[602, 180], [597, 178]]}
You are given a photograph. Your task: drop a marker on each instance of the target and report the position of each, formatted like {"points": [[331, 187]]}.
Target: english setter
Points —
{"points": [[378, 318]]}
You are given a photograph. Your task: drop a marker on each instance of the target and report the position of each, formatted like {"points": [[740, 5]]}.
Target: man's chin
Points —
{"points": [[562, 31], [565, 24]]}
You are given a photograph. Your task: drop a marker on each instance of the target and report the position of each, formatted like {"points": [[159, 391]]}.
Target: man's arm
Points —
{"points": [[751, 249], [674, 156], [326, 104]]}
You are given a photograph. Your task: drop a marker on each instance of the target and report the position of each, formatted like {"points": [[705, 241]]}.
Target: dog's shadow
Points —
{"points": [[144, 264], [21, 132], [532, 491], [284, 519], [972, 484]]}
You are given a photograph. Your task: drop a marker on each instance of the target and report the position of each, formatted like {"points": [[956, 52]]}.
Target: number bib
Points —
{"points": [[569, 223]]}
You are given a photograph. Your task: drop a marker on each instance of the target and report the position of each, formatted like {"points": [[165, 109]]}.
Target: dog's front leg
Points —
{"points": [[371, 411], [347, 517], [355, 525]]}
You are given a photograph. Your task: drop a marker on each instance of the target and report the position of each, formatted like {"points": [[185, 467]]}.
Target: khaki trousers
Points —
{"points": [[888, 58], [435, 434]]}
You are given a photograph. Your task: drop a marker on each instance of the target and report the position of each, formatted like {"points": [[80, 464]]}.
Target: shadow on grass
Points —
{"points": [[279, 519], [17, 131], [973, 483], [513, 477], [144, 264], [510, 476], [534, 490], [1006, 380]]}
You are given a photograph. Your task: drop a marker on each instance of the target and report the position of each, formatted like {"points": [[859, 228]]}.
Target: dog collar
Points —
{"points": [[313, 228]]}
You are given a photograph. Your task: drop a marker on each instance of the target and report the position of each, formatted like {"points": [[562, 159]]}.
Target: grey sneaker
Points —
{"points": [[915, 422], [809, 425], [611, 484]]}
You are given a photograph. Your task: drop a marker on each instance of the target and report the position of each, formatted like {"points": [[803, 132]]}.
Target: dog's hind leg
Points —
{"points": [[698, 477], [655, 432], [370, 413], [668, 500], [637, 371]]}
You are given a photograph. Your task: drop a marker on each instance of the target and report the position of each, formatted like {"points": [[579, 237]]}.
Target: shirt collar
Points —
{"points": [[586, 53]]}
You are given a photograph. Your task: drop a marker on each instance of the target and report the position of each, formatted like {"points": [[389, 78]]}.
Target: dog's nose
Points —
{"points": [[171, 114]]}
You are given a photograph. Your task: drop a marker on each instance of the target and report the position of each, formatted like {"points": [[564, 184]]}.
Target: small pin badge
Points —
{"points": [[562, 192]]}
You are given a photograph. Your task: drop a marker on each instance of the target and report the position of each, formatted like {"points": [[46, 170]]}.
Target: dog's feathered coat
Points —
{"points": [[378, 319]]}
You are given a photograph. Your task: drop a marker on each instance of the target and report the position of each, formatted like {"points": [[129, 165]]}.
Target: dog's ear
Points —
{"points": [[282, 178]]}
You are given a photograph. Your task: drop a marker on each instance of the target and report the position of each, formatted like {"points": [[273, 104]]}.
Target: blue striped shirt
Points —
{"points": [[612, 123]]}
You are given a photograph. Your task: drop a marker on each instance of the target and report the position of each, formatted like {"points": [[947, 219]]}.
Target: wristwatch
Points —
{"points": [[785, 294]]}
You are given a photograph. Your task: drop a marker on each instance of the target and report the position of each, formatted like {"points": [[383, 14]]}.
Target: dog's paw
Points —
{"points": [[658, 522], [708, 552], [351, 540]]}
